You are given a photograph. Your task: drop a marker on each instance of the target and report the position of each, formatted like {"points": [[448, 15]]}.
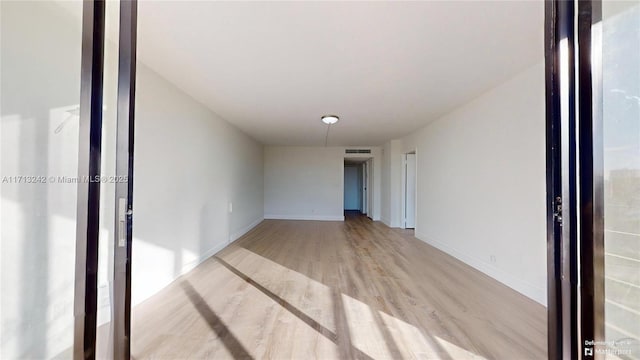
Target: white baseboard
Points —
{"points": [[389, 224], [209, 253], [531, 291], [204, 256], [238, 234], [305, 217]]}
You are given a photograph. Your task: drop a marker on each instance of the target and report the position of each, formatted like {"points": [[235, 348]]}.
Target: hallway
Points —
{"points": [[326, 290]]}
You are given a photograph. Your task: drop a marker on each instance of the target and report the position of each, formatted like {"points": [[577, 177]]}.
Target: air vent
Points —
{"points": [[358, 151]]}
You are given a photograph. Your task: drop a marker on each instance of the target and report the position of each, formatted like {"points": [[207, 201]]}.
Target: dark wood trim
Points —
{"points": [[89, 152], [124, 170]]}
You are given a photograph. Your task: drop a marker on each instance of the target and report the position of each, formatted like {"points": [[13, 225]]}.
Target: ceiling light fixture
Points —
{"points": [[330, 119]]}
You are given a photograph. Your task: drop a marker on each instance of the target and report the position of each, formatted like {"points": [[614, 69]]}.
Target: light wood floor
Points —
{"points": [[329, 290]]}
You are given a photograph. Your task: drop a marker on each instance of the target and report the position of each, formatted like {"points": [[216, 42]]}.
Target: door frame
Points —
{"points": [[403, 189], [89, 159], [123, 226], [364, 202], [575, 177], [369, 175], [369, 159], [88, 203]]}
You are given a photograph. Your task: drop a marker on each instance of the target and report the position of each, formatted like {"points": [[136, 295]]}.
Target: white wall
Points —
{"points": [[189, 166], [391, 212], [303, 183], [481, 183], [308, 182]]}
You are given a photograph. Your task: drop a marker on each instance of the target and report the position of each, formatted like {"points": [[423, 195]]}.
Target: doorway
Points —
{"points": [[357, 185], [353, 189], [409, 193]]}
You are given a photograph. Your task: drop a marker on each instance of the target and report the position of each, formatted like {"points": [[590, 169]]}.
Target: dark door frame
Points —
{"points": [[591, 173], [575, 211], [89, 158], [89, 155], [121, 310]]}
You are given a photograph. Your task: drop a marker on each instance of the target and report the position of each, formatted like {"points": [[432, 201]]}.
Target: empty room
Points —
{"points": [[320, 179]]}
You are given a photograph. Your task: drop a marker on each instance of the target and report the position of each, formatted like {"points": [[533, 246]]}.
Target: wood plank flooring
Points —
{"points": [[336, 290]]}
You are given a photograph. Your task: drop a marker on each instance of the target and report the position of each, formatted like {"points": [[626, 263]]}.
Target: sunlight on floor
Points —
{"points": [[410, 341], [305, 294], [373, 333], [455, 351], [366, 335]]}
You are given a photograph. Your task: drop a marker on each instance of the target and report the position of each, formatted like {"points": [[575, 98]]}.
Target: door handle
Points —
{"points": [[122, 222]]}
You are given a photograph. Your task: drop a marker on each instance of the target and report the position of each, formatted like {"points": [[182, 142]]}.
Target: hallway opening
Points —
{"points": [[357, 185]]}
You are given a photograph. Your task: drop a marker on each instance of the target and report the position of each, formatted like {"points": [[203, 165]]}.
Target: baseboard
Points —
{"points": [[533, 292], [238, 234], [209, 253], [305, 217], [389, 224]]}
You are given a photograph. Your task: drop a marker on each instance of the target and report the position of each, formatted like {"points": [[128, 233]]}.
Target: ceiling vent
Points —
{"points": [[358, 151]]}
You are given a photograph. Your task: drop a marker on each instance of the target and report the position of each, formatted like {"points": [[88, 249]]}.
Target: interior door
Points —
{"points": [[410, 192]]}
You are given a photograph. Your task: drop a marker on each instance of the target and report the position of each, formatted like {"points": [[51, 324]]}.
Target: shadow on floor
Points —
{"points": [[229, 341]]}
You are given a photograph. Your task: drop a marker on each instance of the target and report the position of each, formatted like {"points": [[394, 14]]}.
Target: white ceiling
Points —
{"points": [[386, 68]]}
